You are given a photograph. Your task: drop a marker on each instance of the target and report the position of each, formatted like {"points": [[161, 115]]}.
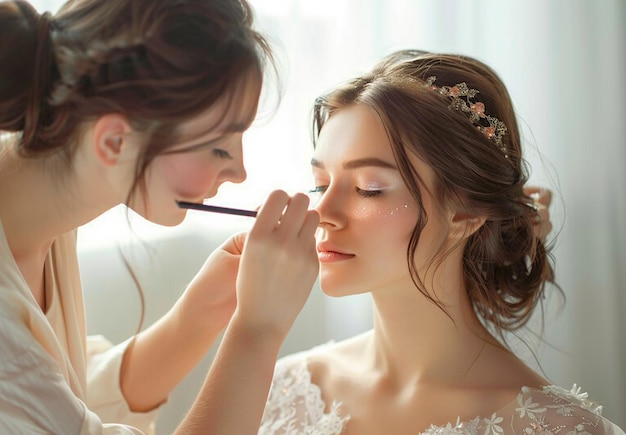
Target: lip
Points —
{"points": [[327, 253]]}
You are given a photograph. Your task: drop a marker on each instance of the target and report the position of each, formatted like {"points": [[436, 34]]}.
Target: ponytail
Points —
{"points": [[27, 73]]}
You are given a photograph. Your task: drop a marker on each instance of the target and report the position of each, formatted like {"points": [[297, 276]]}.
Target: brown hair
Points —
{"points": [[505, 265], [157, 62]]}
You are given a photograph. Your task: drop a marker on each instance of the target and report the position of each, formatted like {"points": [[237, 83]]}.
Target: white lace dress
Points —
{"points": [[295, 406]]}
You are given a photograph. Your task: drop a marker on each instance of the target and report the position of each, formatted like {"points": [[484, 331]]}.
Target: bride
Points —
{"points": [[421, 177]]}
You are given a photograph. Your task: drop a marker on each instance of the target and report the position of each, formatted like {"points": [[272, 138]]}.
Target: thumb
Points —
{"points": [[234, 245]]}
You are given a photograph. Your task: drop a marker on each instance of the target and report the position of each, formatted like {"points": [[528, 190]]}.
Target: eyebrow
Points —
{"points": [[359, 163]]}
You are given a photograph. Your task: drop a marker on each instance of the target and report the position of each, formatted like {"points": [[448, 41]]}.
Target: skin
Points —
{"points": [[243, 283], [416, 367]]}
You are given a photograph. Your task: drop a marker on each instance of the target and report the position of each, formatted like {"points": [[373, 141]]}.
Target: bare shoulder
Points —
{"points": [[499, 368], [346, 356]]}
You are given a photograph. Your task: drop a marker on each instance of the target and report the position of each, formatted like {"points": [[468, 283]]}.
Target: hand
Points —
{"points": [[211, 296], [279, 264], [542, 198]]}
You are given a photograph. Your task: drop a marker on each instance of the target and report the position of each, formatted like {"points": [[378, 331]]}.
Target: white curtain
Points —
{"points": [[564, 64]]}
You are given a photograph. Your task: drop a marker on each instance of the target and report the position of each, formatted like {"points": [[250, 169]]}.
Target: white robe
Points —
{"points": [[53, 378]]}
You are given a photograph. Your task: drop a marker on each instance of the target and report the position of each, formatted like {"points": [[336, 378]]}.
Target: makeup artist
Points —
{"points": [[142, 103]]}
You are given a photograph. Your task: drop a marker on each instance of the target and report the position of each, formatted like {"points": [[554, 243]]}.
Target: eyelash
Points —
{"points": [[222, 154], [361, 192]]}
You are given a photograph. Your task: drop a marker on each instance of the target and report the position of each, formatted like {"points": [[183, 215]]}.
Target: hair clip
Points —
{"points": [[462, 99]]}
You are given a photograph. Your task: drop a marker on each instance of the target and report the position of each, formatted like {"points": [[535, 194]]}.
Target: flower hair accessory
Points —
{"points": [[463, 100]]}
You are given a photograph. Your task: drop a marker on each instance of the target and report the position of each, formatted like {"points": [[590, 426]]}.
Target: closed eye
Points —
{"points": [[362, 192], [368, 193], [222, 154]]}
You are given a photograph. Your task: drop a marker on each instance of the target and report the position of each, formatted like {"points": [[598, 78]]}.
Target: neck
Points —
{"points": [[40, 198], [416, 341]]}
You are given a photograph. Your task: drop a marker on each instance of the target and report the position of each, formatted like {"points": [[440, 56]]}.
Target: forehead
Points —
{"points": [[357, 132], [353, 131], [234, 111]]}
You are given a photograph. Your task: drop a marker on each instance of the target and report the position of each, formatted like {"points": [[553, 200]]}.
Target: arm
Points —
{"points": [[278, 268], [180, 339], [234, 393]]}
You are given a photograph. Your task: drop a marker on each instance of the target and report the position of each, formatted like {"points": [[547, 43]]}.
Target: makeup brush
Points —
{"points": [[216, 209]]}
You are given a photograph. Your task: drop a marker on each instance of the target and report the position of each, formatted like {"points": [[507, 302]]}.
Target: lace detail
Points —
{"points": [[550, 410], [295, 406]]}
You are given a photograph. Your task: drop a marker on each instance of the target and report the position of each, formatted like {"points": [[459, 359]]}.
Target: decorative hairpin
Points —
{"points": [[462, 99], [76, 62]]}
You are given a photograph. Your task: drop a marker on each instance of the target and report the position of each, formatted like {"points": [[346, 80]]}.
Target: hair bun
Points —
{"points": [[27, 69]]}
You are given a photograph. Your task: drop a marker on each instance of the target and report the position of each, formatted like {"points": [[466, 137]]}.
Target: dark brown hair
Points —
{"points": [[157, 62], [505, 265]]}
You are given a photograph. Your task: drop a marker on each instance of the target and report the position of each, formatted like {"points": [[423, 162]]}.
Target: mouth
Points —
{"points": [[329, 254]]}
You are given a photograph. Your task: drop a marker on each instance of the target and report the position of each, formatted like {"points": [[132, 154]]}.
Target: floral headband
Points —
{"points": [[462, 99]]}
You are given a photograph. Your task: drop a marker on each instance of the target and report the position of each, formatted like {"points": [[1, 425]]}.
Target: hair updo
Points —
{"points": [[505, 265]]}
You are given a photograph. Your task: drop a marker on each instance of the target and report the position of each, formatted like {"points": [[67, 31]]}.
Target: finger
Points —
{"points": [[234, 245], [309, 227], [532, 190], [294, 215], [270, 212], [239, 241], [545, 197], [542, 229]]}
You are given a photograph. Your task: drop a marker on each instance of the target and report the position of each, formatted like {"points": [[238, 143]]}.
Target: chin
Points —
{"points": [[163, 219], [335, 289]]}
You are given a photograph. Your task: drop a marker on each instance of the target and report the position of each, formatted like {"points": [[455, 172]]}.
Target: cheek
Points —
{"points": [[380, 214], [385, 224], [389, 216], [186, 176]]}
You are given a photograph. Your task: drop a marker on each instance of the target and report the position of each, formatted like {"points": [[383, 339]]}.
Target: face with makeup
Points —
{"points": [[195, 168], [367, 213]]}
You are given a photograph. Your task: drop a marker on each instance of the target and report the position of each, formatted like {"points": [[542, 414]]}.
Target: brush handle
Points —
{"points": [[216, 209]]}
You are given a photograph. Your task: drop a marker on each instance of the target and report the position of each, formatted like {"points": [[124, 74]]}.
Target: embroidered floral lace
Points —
{"points": [[295, 406]]}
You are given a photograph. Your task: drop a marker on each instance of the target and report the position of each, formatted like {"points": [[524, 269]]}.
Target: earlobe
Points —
{"points": [[109, 138]]}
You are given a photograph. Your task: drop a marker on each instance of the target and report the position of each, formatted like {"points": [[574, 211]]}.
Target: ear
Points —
{"points": [[464, 225], [109, 137]]}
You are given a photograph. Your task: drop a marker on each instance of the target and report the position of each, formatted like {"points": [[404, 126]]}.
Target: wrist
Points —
{"points": [[256, 333], [197, 321]]}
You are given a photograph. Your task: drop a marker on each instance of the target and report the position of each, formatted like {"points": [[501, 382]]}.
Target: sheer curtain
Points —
{"points": [[563, 62]]}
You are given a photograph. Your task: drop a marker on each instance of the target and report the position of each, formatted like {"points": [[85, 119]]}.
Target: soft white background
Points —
{"points": [[564, 62]]}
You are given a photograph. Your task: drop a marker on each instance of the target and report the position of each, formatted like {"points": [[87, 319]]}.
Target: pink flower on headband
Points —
{"points": [[489, 131], [462, 99], [478, 108]]}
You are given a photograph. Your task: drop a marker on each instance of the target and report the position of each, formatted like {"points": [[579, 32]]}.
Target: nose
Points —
{"points": [[331, 206], [235, 171]]}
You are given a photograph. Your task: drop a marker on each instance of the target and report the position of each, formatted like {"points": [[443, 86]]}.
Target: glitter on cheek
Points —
{"points": [[397, 210], [363, 213], [371, 212]]}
